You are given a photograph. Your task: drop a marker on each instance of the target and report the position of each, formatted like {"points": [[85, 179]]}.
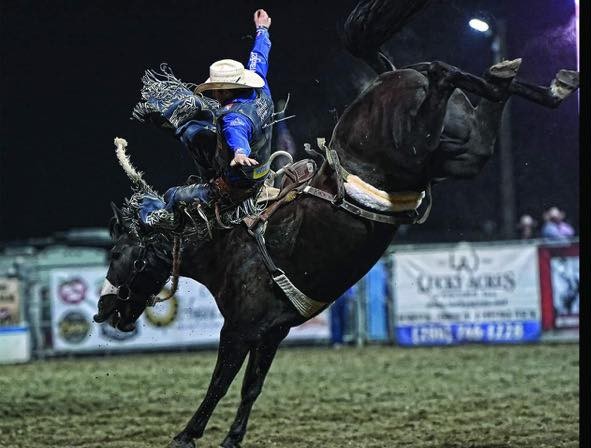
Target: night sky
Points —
{"points": [[70, 75]]}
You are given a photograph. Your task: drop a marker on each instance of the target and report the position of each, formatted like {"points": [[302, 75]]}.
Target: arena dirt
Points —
{"points": [[460, 397]]}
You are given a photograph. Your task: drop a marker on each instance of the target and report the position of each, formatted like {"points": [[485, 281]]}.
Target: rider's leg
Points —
{"points": [[188, 194]]}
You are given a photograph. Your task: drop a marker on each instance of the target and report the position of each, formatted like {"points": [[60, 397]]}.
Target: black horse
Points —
{"points": [[411, 128]]}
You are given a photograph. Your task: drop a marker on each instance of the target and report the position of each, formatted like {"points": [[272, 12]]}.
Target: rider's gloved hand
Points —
{"points": [[261, 18], [242, 159]]}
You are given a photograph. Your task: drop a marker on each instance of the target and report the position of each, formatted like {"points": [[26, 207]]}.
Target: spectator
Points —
{"points": [[526, 226], [339, 316], [554, 227]]}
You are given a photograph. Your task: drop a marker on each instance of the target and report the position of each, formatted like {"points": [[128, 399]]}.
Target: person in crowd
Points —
{"points": [[526, 226], [338, 317], [555, 227]]}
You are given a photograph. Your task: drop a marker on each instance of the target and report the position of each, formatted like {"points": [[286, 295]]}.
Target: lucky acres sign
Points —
{"points": [[466, 294]]}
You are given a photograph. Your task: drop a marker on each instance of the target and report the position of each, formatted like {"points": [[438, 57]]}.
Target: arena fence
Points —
{"points": [[442, 294]]}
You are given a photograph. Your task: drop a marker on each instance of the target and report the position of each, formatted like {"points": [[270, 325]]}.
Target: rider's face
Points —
{"points": [[221, 95]]}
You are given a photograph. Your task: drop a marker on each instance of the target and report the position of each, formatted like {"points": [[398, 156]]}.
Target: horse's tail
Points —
{"points": [[373, 22], [135, 176]]}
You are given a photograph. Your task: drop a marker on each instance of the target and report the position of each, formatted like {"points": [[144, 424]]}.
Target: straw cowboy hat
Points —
{"points": [[554, 213], [229, 74]]}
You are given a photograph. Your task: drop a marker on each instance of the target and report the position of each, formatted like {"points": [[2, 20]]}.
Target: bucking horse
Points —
{"points": [[282, 260]]}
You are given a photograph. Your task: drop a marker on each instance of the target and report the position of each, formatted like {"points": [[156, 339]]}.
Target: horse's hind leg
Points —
{"points": [[562, 86], [470, 133], [259, 361], [427, 125], [468, 139], [231, 354], [565, 83]]}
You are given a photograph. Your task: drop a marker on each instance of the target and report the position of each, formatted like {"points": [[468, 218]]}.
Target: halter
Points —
{"points": [[139, 265]]}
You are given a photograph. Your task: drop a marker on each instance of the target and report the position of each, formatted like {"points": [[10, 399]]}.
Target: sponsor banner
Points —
{"points": [[9, 302], [191, 317], [467, 293], [314, 329], [559, 282]]}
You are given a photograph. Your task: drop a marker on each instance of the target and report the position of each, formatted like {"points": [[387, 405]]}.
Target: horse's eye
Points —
{"points": [[115, 255]]}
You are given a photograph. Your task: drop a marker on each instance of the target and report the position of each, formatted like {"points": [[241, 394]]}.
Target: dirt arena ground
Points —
{"points": [[460, 397]]}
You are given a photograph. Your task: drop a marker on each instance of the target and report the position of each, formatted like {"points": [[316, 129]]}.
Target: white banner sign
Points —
{"points": [[191, 317], [467, 294]]}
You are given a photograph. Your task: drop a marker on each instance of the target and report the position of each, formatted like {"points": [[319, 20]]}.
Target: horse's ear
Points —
{"points": [[116, 226], [117, 214]]}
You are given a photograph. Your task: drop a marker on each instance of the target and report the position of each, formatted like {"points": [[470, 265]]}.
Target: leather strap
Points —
{"points": [[258, 234], [306, 306], [402, 218]]}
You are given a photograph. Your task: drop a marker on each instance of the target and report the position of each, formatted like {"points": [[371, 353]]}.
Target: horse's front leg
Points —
{"points": [[231, 353], [259, 362]]}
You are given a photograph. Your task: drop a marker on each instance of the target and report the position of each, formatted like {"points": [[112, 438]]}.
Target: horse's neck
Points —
{"points": [[199, 263]]}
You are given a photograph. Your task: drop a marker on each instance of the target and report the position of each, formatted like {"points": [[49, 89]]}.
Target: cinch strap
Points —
{"points": [[306, 306]]}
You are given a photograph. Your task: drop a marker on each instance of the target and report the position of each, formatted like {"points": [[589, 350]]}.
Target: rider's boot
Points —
{"points": [[164, 218]]}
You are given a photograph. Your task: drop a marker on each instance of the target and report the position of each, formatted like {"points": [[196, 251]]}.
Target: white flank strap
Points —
{"points": [[371, 197], [306, 306]]}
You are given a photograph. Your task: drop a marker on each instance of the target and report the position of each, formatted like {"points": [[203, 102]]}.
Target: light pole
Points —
{"points": [[498, 32]]}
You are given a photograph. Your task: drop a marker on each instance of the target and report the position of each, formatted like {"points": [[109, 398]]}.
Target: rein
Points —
{"points": [[176, 268]]}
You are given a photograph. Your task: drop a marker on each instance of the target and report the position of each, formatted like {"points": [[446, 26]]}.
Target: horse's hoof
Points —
{"points": [[505, 69], [229, 443], [565, 83], [181, 444]]}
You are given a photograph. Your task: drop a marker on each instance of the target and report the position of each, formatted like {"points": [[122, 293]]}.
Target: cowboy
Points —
{"points": [[229, 139], [555, 227]]}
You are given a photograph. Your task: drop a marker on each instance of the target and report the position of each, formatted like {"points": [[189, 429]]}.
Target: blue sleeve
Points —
{"points": [[258, 61], [237, 131], [550, 231]]}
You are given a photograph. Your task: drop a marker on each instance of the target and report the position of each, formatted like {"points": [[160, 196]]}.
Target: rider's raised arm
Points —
{"points": [[259, 56]]}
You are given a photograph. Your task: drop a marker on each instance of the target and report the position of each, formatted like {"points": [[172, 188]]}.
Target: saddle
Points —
{"points": [[288, 179], [236, 205]]}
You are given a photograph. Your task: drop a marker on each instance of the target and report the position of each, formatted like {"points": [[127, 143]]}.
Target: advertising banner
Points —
{"points": [[559, 281], [9, 301], [317, 328], [191, 317], [467, 293]]}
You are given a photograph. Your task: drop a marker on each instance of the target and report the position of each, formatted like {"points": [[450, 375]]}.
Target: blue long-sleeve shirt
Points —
{"points": [[236, 129]]}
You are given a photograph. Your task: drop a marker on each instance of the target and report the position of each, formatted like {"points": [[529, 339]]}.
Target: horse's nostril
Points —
{"points": [[139, 265], [123, 293]]}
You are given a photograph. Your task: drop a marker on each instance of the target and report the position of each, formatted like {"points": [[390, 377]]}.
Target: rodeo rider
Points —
{"points": [[230, 140]]}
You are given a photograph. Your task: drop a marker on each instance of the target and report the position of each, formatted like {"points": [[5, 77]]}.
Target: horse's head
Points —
{"points": [[140, 265]]}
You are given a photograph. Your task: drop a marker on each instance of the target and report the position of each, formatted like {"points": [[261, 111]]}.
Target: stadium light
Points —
{"points": [[479, 25]]}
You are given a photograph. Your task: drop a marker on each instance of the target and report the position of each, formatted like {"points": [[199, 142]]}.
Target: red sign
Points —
{"points": [[72, 291], [559, 286]]}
